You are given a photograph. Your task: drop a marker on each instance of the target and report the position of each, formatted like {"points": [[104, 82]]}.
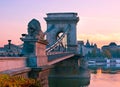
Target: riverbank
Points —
{"points": [[104, 61]]}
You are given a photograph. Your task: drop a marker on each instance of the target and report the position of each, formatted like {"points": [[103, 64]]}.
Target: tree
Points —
{"points": [[107, 53], [94, 53]]}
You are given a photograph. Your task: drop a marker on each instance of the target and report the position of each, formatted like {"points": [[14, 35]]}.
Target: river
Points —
{"points": [[97, 76], [103, 76], [104, 80]]}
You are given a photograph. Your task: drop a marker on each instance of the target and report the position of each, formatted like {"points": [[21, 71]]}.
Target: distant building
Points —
{"points": [[2, 51], [87, 48], [113, 49], [10, 50], [80, 47], [111, 46]]}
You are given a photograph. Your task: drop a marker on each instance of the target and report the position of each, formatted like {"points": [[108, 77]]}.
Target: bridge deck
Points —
{"points": [[52, 59]]}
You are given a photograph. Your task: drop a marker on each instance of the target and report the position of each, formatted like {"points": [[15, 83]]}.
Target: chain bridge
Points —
{"points": [[60, 43], [42, 51]]}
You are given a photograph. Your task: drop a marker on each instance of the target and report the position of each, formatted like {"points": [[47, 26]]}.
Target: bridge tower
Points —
{"points": [[58, 23]]}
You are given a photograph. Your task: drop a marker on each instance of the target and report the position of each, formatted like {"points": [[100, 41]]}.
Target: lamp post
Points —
{"points": [[9, 43], [9, 47]]}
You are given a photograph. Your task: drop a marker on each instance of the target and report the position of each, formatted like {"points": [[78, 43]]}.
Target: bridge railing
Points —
{"points": [[57, 56], [53, 53]]}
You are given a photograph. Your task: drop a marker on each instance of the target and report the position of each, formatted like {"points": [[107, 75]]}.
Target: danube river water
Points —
{"points": [[105, 79], [85, 77]]}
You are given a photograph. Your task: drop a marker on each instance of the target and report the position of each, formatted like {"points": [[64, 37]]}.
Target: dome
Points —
{"points": [[87, 43], [112, 44]]}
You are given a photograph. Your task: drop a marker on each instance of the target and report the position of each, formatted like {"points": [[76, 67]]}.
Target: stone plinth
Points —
{"points": [[34, 50], [29, 50], [41, 74], [34, 47], [41, 53]]}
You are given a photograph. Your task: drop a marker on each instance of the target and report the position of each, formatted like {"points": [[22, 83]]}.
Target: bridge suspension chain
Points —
{"points": [[52, 47]]}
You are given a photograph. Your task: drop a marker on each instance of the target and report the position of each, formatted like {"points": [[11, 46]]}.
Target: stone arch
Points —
{"points": [[57, 33], [61, 21]]}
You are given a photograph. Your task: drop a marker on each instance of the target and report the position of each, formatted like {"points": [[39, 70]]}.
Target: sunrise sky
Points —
{"points": [[99, 19]]}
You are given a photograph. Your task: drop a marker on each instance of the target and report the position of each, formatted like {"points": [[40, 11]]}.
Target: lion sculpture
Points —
{"points": [[34, 29]]}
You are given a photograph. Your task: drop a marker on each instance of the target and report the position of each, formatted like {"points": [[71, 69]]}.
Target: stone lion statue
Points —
{"points": [[34, 29]]}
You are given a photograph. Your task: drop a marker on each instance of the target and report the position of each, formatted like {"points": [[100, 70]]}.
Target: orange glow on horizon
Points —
{"points": [[100, 39]]}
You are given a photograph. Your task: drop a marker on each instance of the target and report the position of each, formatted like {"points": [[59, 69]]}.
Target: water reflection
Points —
{"points": [[69, 76], [99, 71], [105, 69], [103, 76]]}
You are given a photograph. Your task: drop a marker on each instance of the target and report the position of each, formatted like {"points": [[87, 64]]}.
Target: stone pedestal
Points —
{"points": [[41, 53], [34, 45], [34, 50]]}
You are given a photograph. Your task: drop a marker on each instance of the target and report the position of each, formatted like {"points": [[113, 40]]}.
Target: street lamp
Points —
{"points": [[9, 43]]}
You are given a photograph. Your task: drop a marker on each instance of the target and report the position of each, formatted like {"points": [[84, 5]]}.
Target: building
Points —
{"points": [[2, 51], [80, 47], [87, 48], [113, 49], [111, 46], [10, 49]]}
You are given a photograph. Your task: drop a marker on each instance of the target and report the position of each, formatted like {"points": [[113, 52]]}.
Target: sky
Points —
{"points": [[99, 19]]}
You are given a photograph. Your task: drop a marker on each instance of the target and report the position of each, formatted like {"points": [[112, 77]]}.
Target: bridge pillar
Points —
{"points": [[34, 46], [57, 23]]}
